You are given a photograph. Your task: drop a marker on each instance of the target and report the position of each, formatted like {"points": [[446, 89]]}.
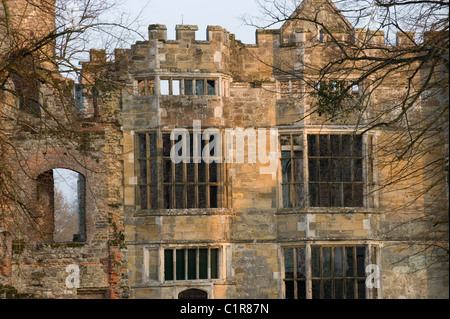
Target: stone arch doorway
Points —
{"points": [[193, 294]]}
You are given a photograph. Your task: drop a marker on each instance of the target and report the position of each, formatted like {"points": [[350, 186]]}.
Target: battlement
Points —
{"points": [[186, 33], [358, 36]]}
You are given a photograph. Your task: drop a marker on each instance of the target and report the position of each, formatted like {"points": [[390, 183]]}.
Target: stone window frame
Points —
{"points": [[153, 163], [213, 272], [294, 88], [372, 255], [369, 168], [182, 86], [154, 264]]}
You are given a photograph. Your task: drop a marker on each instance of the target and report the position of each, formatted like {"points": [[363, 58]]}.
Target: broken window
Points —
{"points": [[336, 272], [192, 263], [176, 87], [61, 199], [335, 167], [186, 184]]}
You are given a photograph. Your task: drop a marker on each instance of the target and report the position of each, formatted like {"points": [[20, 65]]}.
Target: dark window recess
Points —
{"points": [[292, 170], [337, 272], [147, 170], [27, 92], [335, 166], [191, 264], [182, 185], [211, 87], [295, 273], [188, 87], [200, 87], [26, 84]]}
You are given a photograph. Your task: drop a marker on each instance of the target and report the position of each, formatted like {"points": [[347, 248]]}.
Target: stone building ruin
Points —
{"points": [[152, 228]]}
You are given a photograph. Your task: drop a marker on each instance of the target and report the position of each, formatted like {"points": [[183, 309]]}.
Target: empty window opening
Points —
{"points": [[79, 97], [146, 87], [322, 36], [176, 87], [61, 197], [26, 84], [165, 87]]}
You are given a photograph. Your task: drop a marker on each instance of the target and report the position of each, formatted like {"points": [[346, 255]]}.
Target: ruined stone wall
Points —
{"points": [[267, 85], [255, 227]]}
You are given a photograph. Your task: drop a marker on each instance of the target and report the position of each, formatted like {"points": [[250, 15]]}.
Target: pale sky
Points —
{"points": [[199, 12]]}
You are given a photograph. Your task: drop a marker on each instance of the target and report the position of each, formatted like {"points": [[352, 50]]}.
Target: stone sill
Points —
{"points": [[182, 283], [190, 97], [183, 212], [61, 245], [328, 210]]}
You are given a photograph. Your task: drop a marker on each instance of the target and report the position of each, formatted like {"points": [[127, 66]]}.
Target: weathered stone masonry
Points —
{"points": [[160, 230]]}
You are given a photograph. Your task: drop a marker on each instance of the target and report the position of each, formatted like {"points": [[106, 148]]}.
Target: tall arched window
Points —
{"points": [[62, 205]]}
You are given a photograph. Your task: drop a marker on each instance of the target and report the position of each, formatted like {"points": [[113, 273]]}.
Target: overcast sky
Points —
{"points": [[226, 14]]}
